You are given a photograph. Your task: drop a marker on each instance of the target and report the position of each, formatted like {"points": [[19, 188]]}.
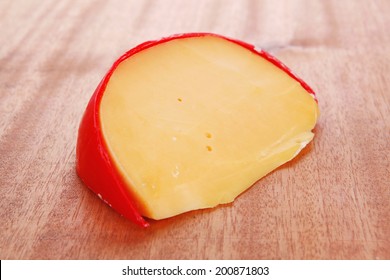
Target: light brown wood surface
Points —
{"points": [[331, 202]]}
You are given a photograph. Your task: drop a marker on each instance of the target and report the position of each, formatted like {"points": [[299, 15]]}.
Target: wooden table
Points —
{"points": [[331, 202]]}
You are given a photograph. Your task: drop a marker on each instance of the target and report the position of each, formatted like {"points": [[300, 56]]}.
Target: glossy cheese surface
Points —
{"points": [[192, 123]]}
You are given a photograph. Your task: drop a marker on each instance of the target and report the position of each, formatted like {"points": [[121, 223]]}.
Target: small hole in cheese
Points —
{"points": [[209, 148]]}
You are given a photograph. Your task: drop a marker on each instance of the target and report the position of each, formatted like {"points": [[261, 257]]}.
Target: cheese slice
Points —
{"points": [[192, 123]]}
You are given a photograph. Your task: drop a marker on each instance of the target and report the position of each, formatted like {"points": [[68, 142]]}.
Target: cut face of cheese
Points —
{"points": [[191, 123]]}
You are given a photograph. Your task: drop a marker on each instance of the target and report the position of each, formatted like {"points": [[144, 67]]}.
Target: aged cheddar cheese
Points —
{"points": [[194, 121]]}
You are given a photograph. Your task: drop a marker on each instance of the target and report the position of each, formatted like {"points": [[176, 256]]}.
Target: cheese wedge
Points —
{"points": [[193, 122]]}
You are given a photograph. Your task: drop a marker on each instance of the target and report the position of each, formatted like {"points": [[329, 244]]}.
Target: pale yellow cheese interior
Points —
{"points": [[194, 122]]}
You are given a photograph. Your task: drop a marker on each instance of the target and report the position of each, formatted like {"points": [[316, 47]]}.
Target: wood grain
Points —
{"points": [[331, 202]]}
